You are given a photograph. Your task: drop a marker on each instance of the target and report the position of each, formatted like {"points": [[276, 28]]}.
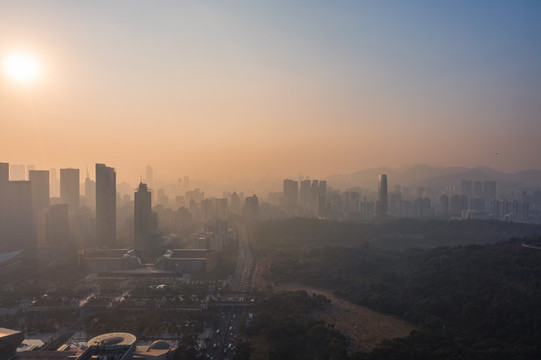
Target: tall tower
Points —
{"points": [[143, 217], [39, 182], [105, 206], [291, 193], [69, 189], [381, 207], [4, 180], [90, 191]]}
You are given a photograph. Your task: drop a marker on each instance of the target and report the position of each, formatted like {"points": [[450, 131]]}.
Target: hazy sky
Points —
{"points": [[243, 88]]}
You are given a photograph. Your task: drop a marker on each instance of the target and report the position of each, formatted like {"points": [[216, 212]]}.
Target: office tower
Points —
{"points": [[90, 192], [444, 204], [105, 206], [54, 183], [4, 179], [69, 189], [305, 192], [186, 183], [291, 193], [221, 208], [39, 182], [4, 173], [477, 189], [251, 207], [143, 222], [235, 203], [381, 206], [322, 198], [489, 190], [314, 197], [20, 229], [58, 225], [466, 188]]}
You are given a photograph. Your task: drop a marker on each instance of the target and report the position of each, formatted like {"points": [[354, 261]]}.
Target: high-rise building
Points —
{"points": [[381, 206], [251, 207], [58, 225], [105, 206], [143, 223], [291, 193], [235, 203], [477, 188], [39, 182], [489, 190], [69, 189], [314, 197], [466, 188], [322, 198], [305, 192], [20, 232], [4, 179], [90, 192], [54, 183]]}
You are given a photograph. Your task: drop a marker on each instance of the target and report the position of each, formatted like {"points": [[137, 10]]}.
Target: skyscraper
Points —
{"points": [[105, 206], [291, 193], [251, 207], [322, 198], [69, 189], [20, 230], [39, 180], [381, 206], [4, 179], [143, 218], [90, 192]]}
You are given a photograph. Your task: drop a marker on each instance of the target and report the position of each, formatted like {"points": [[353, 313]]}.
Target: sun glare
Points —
{"points": [[22, 68]]}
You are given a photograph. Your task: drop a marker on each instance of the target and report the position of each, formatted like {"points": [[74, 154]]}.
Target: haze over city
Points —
{"points": [[251, 90]]}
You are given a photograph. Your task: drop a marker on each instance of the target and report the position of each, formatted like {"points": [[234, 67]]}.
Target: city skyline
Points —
{"points": [[270, 90]]}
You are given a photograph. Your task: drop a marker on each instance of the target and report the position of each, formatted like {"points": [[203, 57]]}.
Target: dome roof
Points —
{"points": [[159, 345], [113, 340]]}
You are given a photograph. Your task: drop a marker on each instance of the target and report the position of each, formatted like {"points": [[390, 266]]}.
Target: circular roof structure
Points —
{"points": [[117, 339], [159, 345]]}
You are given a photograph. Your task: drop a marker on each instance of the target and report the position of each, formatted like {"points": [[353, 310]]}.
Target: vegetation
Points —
{"points": [[399, 234], [472, 302], [284, 319]]}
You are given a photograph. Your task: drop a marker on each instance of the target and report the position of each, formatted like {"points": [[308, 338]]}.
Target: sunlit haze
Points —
{"points": [[251, 90]]}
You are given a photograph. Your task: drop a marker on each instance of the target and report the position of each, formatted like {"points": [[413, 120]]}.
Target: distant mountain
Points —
{"points": [[437, 178]]}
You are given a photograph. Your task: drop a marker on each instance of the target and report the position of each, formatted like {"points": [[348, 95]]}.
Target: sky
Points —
{"points": [[272, 89]]}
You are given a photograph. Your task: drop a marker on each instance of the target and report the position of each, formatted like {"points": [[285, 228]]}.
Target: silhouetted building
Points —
{"points": [[381, 206], [322, 198], [39, 180], [4, 179], [305, 192], [20, 229], [489, 190], [145, 234], [235, 203], [105, 206], [69, 189], [90, 192], [9, 341], [291, 193], [58, 225], [466, 188], [251, 207]]}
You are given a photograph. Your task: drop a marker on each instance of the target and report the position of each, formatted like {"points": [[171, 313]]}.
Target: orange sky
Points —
{"points": [[207, 90]]}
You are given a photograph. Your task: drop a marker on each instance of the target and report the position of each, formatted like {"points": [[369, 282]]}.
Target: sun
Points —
{"points": [[21, 68]]}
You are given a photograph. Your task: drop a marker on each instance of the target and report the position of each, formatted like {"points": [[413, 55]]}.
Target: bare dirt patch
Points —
{"points": [[365, 328]]}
